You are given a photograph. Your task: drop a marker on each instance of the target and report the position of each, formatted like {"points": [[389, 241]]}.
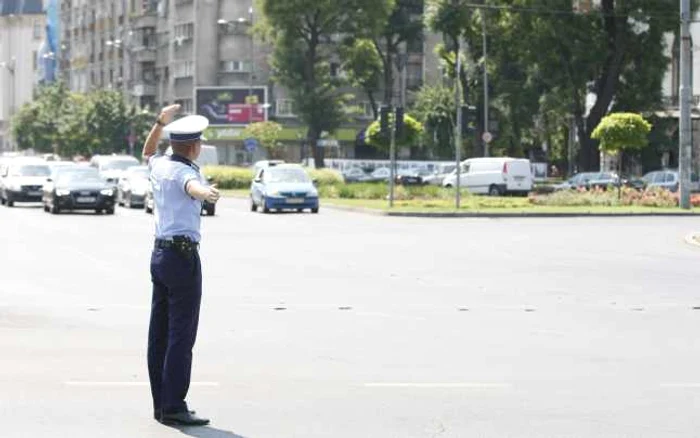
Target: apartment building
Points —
{"points": [[21, 34], [202, 55]]}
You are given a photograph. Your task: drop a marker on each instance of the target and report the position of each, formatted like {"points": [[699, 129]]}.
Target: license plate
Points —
{"points": [[518, 178], [295, 200], [35, 193], [86, 199]]}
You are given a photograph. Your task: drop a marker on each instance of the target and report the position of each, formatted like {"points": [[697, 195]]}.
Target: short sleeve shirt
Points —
{"points": [[176, 212]]}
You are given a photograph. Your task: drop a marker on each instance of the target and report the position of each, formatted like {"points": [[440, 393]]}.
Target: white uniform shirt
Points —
{"points": [[175, 211]]}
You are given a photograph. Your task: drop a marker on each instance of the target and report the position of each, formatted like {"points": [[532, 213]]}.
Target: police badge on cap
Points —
{"points": [[189, 128]]}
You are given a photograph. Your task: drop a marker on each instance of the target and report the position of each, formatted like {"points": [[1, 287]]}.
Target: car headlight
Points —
{"points": [[15, 187], [107, 192], [62, 192], [312, 194], [273, 193]]}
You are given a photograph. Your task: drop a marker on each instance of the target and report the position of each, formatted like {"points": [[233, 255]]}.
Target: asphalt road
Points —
{"points": [[345, 325]]}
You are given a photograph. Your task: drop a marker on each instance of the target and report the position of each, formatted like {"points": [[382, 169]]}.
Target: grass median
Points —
{"points": [[481, 205]]}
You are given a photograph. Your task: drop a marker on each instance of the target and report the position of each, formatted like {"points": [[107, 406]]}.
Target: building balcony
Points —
{"points": [[670, 102], [143, 54], [143, 89], [149, 19]]}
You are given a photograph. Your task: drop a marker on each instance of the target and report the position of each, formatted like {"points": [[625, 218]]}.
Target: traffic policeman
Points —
{"points": [[176, 272]]}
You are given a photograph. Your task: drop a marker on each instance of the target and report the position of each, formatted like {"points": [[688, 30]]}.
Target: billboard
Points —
{"points": [[231, 106]]}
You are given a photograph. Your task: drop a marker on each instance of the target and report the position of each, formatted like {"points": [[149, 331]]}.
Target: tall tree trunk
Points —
{"points": [[313, 132]]}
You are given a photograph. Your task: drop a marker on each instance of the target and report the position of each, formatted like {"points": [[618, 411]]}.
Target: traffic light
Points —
{"points": [[384, 121], [468, 119], [399, 121]]}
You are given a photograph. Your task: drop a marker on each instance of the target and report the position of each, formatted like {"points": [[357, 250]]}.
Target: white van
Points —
{"points": [[493, 176]]}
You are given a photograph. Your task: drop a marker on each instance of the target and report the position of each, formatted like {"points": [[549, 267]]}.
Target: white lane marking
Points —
{"points": [[680, 385], [127, 384], [468, 385]]}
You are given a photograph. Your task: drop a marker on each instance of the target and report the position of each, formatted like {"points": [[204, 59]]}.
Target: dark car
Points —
{"points": [[78, 189], [408, 177]]}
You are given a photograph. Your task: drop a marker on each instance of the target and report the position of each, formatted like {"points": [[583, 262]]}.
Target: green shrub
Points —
{"points": [[326, 177], [229, 177]]}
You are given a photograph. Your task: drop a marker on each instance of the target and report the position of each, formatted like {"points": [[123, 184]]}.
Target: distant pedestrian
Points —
{"points": [[176, 271]]}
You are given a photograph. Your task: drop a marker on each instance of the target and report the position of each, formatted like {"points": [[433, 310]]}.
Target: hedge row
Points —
{"points": [[229, 177]]}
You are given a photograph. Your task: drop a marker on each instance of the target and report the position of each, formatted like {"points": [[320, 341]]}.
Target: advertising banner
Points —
{"points": [[231, 106]]}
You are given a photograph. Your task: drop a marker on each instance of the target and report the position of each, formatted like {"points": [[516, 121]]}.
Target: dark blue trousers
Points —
{"points": [[177, 294]]}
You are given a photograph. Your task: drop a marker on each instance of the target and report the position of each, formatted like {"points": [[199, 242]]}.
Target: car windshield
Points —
{"points": [[286, 176], [74, 175], [32, 170], [118, 164]]}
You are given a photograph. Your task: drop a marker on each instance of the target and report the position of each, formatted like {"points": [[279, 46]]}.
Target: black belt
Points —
{"points": [[181, 243]]}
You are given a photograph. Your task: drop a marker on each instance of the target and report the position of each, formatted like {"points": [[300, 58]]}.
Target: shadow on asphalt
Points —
{"points": [[206, 432]]}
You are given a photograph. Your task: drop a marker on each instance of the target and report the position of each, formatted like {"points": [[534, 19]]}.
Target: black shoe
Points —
{"points": [[157, 414], [185, 418]]}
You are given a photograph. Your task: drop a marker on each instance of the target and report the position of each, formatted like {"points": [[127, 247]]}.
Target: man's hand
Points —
{"points": [[165, 117], [213, 194], [167, 113]]}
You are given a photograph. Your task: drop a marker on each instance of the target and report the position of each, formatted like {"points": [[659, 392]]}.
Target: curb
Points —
{"points": [[476, 214]]}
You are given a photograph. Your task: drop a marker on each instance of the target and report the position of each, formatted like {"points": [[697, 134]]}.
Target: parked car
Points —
{"points": [[380, 174], [437, 176], [112, 167], [22, 180], [78, 188], [408, 177], [283, 187], [493, 176], [670, 180], [355, 174], [131, 189]]}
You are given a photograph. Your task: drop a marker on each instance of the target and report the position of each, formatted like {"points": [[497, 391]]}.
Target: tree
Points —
{"points": [[403, 26], [622, 132], [364, 67], [267, 134], [68, 123], [411, 135], [435, 107], [306, 36]]}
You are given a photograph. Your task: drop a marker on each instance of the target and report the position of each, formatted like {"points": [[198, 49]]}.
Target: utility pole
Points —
{"points": [[458, 125], [685, 135], [486, 83]]}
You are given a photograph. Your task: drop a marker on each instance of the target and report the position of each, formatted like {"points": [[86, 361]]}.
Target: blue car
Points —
{"points": [[283, 187]]}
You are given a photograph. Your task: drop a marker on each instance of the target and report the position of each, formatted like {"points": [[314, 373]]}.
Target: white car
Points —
{"points": [[493, 176], [22, 180], [112, 167]]}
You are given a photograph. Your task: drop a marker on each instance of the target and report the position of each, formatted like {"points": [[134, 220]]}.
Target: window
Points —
{"points": [[285, 108], [233, 66], [34, 60], [366, 110], [187, 106], [38, 30], [183, 69], [184, 31]]}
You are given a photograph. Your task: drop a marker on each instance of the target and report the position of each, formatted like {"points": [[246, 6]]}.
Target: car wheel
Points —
{"points": [[211, 211], [46, 207], [253, 205], [55, 209], [300, 210], [265, 208], [494, 190], [314, 210], [10, 203], [147, 209], [2, 200], [448, 186], [109, 210]]}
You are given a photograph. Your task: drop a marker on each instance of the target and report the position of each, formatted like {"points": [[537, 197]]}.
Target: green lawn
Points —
{"points": [[476, 204]]}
